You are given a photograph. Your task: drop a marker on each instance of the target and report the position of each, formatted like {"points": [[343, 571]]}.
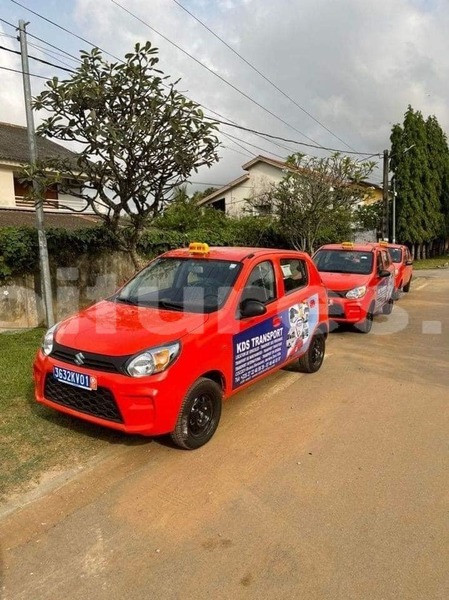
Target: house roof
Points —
{"points": [[269, 161], [265, 159], [14, 146], [16, 217], [224, 189]]}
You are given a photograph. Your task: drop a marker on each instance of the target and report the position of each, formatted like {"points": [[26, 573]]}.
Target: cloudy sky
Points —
{"points": [[332, 73]]}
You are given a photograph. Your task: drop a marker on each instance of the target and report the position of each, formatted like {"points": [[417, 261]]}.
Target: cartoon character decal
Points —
{"points": [[265, 346]]}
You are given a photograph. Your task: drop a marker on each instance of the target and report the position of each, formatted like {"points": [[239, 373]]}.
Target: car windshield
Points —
{"points": [[344, 261], [395, 254], [177, 284]]}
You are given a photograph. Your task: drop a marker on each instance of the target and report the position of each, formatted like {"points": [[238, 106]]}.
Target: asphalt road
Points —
{"points": [[327, 486]]}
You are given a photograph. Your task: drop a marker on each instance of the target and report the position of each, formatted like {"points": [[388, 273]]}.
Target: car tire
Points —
{"points": [[366, 325], [311, 361], [199, 415], [387, 308], [406, 287]]}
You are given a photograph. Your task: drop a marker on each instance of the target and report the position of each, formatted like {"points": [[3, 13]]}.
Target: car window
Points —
{"points": [[261, 283], [395, 254], [344, 261], [194, 285], [294, 274]]}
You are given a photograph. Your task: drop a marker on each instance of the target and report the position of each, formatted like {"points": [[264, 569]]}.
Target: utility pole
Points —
{"points": [[386, 207], [37, 195], [393, 219]]}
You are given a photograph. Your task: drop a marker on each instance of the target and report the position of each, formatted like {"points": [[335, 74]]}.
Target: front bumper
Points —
{"points": [[146, 406], [343, 310]]}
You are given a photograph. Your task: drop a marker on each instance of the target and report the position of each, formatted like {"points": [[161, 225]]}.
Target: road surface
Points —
{"points": [[327, 486]]}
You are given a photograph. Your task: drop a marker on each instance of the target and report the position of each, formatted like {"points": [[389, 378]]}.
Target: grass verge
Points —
{"points": [[431, 263], [33, 438]]}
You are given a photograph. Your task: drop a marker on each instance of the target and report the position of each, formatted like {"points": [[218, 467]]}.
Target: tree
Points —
{"points": [[418, 182], [140, 138], [316, 197]]}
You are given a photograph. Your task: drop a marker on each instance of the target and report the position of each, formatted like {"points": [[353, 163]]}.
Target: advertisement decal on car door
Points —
{"points": [[274, 340]]}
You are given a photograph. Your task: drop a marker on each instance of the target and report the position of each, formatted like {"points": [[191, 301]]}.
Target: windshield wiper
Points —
{"points": [[171, 305], [125, 300]]}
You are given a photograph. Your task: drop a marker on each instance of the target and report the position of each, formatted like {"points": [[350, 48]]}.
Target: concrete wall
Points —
{"points": [[90, 280]]}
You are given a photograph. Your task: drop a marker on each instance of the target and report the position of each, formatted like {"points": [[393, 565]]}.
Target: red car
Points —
{"points": [[192, 328], [360, 282], [403, 266]]}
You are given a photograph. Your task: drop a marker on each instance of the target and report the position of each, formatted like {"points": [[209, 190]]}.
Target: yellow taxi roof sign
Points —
{"points": [[198, 248], [347, 244], [383, 243]]}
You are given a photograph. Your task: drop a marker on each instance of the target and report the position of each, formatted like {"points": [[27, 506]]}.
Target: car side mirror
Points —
{"points": [[252, 308], [408, 263], [384, 273]]}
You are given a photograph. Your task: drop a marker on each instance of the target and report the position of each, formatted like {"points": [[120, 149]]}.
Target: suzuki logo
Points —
{"points": [[79, 358]]}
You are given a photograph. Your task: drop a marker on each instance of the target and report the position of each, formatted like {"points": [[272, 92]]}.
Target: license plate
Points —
{"points": [[79, 380]]}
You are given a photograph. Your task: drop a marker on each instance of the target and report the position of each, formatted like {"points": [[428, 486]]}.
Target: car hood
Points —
{"points": [[120, 329], [343, 281]]}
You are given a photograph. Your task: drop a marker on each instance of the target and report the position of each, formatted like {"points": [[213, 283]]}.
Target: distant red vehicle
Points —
{"points": [[360, 282], [195, 326], [403, 266]]}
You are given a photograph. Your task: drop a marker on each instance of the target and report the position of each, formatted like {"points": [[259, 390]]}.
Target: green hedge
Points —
{"points": [[19, 251]]}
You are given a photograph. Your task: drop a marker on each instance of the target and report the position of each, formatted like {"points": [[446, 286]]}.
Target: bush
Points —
{"points": [[19, 248]]}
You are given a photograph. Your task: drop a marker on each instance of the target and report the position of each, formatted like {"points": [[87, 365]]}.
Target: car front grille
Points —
{"points": [[90, 360], [337, 294], [336, 311], [98, 403]]}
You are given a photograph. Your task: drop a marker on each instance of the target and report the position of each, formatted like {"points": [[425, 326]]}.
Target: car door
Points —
{"points": [[384, 285], [284, 331], [258, 345]]}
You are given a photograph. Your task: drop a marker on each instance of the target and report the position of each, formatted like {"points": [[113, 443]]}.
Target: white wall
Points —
{"points": [[261, 178], [7, 197]]}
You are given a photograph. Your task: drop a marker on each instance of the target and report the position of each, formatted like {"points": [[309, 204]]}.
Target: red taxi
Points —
{"points": [[403, 266], [359, 279], [192, 328]]}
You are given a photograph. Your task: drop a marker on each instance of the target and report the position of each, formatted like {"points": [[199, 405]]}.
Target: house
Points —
{"points": [[14, 154], [262, 173]]}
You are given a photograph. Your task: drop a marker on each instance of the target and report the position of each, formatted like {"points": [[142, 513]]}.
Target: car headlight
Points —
{"points": [[47, 342], [153, 360], [396, 271], [357, 292]]}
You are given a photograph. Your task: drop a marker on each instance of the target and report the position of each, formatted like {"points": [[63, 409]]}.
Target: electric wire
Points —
{"points": [[256, 70], [23, 73], [230, 123], [64, 29], [45, 62], [234, 87]]}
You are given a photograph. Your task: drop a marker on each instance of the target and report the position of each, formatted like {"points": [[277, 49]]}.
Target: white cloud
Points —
{"points": [[354, 65]]}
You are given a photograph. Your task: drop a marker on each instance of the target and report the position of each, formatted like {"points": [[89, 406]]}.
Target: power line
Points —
{"points": [[276, 137], [52, 54], [21, 72], [45, 62], [63, 29], [228, 122], [40, 39], [234, 87], [253, 145], [261, 74]]}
